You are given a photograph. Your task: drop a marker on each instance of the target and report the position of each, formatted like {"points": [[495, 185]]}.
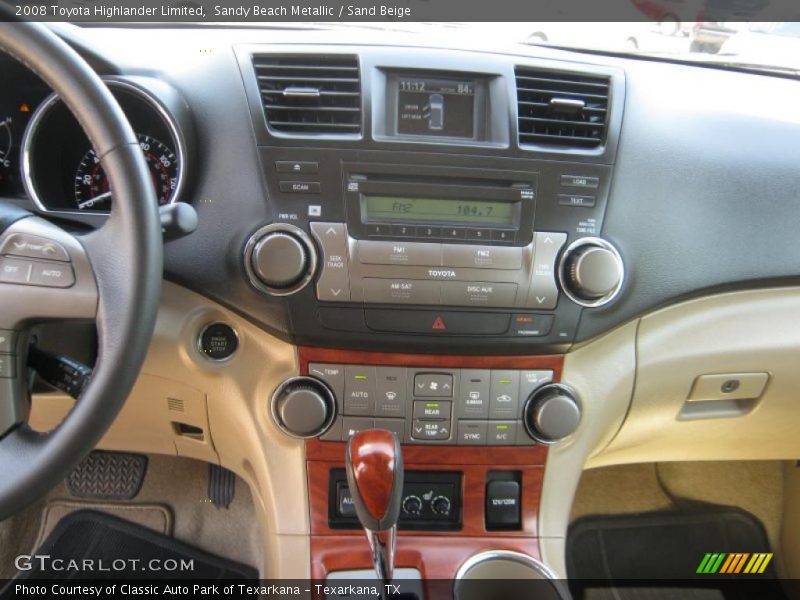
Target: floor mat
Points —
{"points": [[658, 556], [153, 516], [127, 551]]}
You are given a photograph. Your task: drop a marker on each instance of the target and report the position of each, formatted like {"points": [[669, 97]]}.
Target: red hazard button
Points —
{"points": [[438, 324]]}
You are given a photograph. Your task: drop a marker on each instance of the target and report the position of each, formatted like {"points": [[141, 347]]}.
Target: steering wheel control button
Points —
{"points": [[33, 246], [8, 340], [551, 413], [473, 394], [333, 284], [280, 259], [303, 407], [433, 385], [51, 274], [504, 398], [7, 370], [503, 505], [15, 270], [472, 433], [591, 272], [218, 341]]}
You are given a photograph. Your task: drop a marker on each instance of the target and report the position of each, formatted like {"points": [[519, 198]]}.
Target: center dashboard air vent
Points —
{"points": [[309, 95], [562, 109]]}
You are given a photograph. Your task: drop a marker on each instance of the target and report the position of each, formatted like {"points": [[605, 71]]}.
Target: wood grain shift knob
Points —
{"points": [[374, 465]]}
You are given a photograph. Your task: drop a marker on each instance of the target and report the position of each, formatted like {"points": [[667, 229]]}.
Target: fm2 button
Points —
{"points": [[218, 341]]}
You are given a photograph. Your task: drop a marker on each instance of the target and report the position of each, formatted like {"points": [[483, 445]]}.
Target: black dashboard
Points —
{"points": [[423, 197]]}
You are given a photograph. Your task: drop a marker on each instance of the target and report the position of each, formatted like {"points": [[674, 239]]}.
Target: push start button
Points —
{"points": [[218, 341]]}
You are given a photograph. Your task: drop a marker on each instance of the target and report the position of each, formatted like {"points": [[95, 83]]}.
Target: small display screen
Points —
{"points": [[436, 107], [438, 210]]}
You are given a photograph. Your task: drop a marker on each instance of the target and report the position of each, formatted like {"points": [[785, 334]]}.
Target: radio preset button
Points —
{"points": [[473, 393], [403, 230], [465, 293], [454, 233], [503, 235], [482, 257], [479, 235], [399, 253], [379, 229], [401, 291]]}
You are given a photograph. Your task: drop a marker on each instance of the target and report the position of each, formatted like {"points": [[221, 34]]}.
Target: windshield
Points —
{"points": [[767, 45]]}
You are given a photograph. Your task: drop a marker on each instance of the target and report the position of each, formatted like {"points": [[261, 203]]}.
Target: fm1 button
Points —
{"points": [[218, 341]]}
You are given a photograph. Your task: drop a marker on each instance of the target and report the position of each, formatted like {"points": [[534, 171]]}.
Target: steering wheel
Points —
{"points": [[111, 275]]}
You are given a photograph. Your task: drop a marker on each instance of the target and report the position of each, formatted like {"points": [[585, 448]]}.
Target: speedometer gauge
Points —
{"points": [[6, 140], [91, 185]]}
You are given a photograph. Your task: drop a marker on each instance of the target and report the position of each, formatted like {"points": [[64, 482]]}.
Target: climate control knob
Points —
{"points": [[280, 259], [441, 505], [591, 272], [303, 407], [552, 413]]}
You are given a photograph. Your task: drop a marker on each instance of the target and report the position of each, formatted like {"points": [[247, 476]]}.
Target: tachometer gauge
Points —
{"points": [[91, 185], [6, 141]]}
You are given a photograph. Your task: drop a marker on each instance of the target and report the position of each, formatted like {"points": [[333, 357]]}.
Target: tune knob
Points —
{"points": [[551, 413], [280, 259], [303, 407], [591, 272]]}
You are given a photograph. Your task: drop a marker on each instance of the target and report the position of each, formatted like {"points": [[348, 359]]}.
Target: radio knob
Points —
{"points": [[280, 259], [303, 407], [551, 413], [591, 272]]}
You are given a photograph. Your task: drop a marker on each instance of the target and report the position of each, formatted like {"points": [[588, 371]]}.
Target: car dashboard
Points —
{"points": [[523, 261]]}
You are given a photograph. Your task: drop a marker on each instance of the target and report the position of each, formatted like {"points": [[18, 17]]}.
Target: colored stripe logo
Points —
{"points": [[734, 563]]}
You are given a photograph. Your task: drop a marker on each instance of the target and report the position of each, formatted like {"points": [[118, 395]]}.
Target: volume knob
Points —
{"points": [[280, 259], [591, 272]]}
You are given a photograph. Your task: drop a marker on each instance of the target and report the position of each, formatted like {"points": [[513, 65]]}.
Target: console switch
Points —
{"points": [[502, 505]]}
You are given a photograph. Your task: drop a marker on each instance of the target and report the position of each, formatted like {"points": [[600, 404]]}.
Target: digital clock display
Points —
{"points": [[438, 210], [433, 106]]}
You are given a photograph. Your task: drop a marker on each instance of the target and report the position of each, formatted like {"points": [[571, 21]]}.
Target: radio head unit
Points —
{"points": [[435, 204]]}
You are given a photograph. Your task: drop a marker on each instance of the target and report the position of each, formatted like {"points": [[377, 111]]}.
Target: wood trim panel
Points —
{"points": [[437, 555], [309, 354], [473, 499]]}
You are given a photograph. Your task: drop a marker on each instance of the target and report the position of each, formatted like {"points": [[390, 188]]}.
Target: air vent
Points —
{"points": [[310, 94], [561, 109]]}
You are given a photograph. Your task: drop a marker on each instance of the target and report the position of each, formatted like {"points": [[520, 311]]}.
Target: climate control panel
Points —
{"points": [[470, 407]]}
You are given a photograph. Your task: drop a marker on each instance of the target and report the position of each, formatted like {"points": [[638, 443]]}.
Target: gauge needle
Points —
{"points": [[94, 200]]}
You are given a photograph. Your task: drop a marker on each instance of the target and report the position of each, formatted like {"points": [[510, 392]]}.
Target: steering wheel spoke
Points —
{"points": [[45, 273]]}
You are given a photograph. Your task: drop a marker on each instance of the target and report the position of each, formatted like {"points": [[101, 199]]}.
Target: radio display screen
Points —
{"points": [[438, 210], [436, 106]]}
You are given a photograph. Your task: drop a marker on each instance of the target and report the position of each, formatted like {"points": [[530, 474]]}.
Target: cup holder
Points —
{"points": [[506, 574]]}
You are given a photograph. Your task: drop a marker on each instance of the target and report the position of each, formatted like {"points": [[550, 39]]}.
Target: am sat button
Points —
{"points": [[52, 274]]}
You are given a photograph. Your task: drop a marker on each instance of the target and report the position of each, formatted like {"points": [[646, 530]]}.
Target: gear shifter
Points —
{"points": [[374, 465]]}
